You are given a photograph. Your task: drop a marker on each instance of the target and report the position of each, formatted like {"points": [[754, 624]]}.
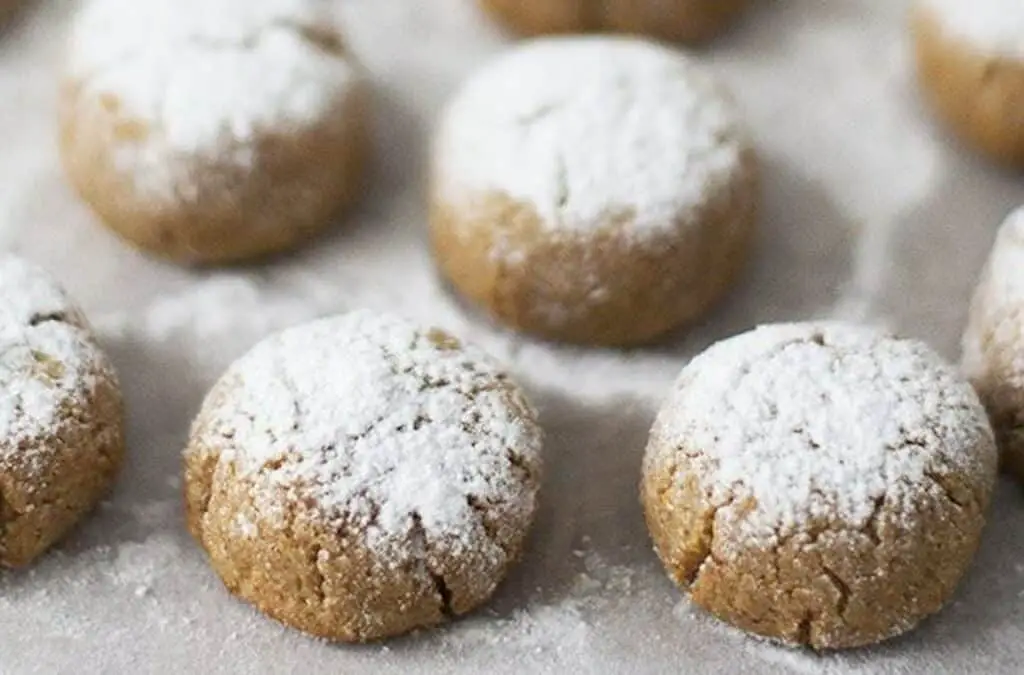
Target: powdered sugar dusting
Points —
{"points": [[589, 129], [388, 428], [993, 343], [830, 97], [991, 26], [47, 358], [206, 75], [1006, 262], [819, 422]]}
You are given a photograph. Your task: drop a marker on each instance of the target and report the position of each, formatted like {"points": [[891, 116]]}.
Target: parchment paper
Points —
{"points": [[870, 213]]}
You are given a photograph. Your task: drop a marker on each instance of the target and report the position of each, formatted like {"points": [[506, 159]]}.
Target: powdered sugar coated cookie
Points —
{"points": [[370, 444], [61, 437], [592, 189], [178, 115], [993, 342], [841, 469]]}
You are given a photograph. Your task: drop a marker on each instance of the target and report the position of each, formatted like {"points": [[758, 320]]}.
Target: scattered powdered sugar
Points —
{"points": [[819, 422], [385, 426], [991, 26], [47, 357], [589, 129], [207, 76], [217, 319], [812, 75]]}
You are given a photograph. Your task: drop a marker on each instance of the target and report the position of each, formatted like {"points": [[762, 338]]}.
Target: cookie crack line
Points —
{"points": [[480, 511], [519, 462], [441, 589], [804, 628], [939, 481], [289, 385], [562, 179], [5, 519], [59, 316], [872, 524], [707, 543], [841, 587], [317, 575]]}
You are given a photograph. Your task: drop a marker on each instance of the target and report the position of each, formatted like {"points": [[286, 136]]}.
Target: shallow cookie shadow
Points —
{"points": [[590, 521], [938, 251], [159, 410], [393, 198], [801, 263], [802, 260], [146, 498]]}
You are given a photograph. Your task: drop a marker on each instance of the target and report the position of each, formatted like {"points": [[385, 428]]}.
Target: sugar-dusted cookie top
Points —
{"points": [[206, 77], [992, 26], [589, 130]]}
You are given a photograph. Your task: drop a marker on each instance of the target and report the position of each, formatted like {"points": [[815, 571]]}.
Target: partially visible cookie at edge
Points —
{"points": [[993, 342], [61, 416], [970, 64], [213, 131], [688, 21], [593, 190], [819, 484], [359, 477]]}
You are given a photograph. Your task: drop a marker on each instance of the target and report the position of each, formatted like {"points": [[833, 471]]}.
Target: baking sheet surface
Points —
{"points": [[870, 214]]}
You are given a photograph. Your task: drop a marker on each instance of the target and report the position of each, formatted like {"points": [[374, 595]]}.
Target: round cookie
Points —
{"points": [[61, 428], [993, 343], [212, 131], [970, 62], [357, 477], [595, 190], [819, 484], [682, 20]]}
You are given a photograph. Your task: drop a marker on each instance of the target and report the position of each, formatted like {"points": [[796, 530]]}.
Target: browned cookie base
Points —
{"points": [[820, 588], [682, 20], [301, 181], [84, 455], [321, 575], [325, 584], [647, 290]]}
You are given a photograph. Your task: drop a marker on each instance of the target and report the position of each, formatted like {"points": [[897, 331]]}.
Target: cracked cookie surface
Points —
{"points": [[358, 477], [61, 435], [820, 484], [993, 342], [684, 20], [593, 190], [213, 130]]}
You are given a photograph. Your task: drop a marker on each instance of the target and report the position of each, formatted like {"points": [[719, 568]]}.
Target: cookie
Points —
{"points": [[970, 62], [819, 484], [358, 477], [681, 20], [594, 190], [213, 131], [993, 342], [61, 428]]}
